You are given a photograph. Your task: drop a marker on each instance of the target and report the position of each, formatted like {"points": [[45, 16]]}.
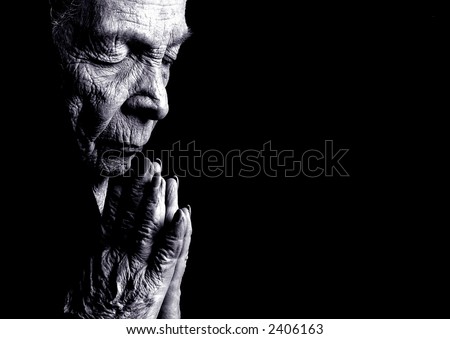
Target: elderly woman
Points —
{"points": [[115, 59]]}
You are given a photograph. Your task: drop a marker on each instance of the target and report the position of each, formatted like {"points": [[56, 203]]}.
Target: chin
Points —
{"points": [[109, 166]]}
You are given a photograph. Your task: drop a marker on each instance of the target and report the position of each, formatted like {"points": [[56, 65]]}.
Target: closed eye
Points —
{"points": [[107, 61], [107, 53], [168, 60], [170, 55]]}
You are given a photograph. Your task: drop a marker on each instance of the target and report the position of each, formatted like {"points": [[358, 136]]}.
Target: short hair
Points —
{"points": [[62, 11]]}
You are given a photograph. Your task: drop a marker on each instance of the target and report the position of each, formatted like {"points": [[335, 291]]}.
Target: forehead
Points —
{"points": [[156, 19]]}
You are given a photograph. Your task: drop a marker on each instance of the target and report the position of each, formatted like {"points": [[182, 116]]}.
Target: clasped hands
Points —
{"points": [[137, 271]]}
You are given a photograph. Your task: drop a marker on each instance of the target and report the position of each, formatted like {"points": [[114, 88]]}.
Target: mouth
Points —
{"points": [[125, 149]]}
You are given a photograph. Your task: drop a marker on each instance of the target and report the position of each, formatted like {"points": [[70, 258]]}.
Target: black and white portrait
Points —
{"points": [[201, 159]]}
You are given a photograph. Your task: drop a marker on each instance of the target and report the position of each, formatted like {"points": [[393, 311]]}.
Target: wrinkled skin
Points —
{"points": [[135, 274], [116, 57], [117, 60]]}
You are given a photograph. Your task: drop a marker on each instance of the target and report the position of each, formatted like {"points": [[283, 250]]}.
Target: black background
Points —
{"points": [[371, 245]]}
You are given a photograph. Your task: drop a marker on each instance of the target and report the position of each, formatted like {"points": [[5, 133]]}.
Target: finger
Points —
{"points": [[154, 202], [171, 198], [170, 308], [133, 193], [164, 259], [162, 263], [112, 201], [153, 212]]}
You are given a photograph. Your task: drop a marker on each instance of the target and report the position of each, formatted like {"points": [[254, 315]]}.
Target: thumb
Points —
{"points": [[170, 308], [163, 260]]}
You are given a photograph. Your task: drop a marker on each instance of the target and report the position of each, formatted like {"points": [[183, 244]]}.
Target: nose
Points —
{"points": [[149, 102]]}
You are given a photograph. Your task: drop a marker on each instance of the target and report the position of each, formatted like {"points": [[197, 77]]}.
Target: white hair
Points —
{"points": [[62, 12]]}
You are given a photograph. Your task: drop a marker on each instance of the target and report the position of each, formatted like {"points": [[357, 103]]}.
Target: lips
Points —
{"points": [[124, 148]]}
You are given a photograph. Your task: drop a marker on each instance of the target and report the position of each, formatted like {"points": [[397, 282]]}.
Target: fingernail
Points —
{"points": [[176, 179], [147, 165], [177, 217], [189, 209], [133, 167], [158, 160], [141, 165]]}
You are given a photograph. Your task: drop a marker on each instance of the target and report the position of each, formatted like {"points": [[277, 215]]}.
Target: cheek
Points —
{"points": [[104, 90], [97, 96], [74, 106]]}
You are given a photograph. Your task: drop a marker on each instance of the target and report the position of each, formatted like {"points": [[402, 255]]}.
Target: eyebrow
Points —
{"points": [[178, 40]]}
